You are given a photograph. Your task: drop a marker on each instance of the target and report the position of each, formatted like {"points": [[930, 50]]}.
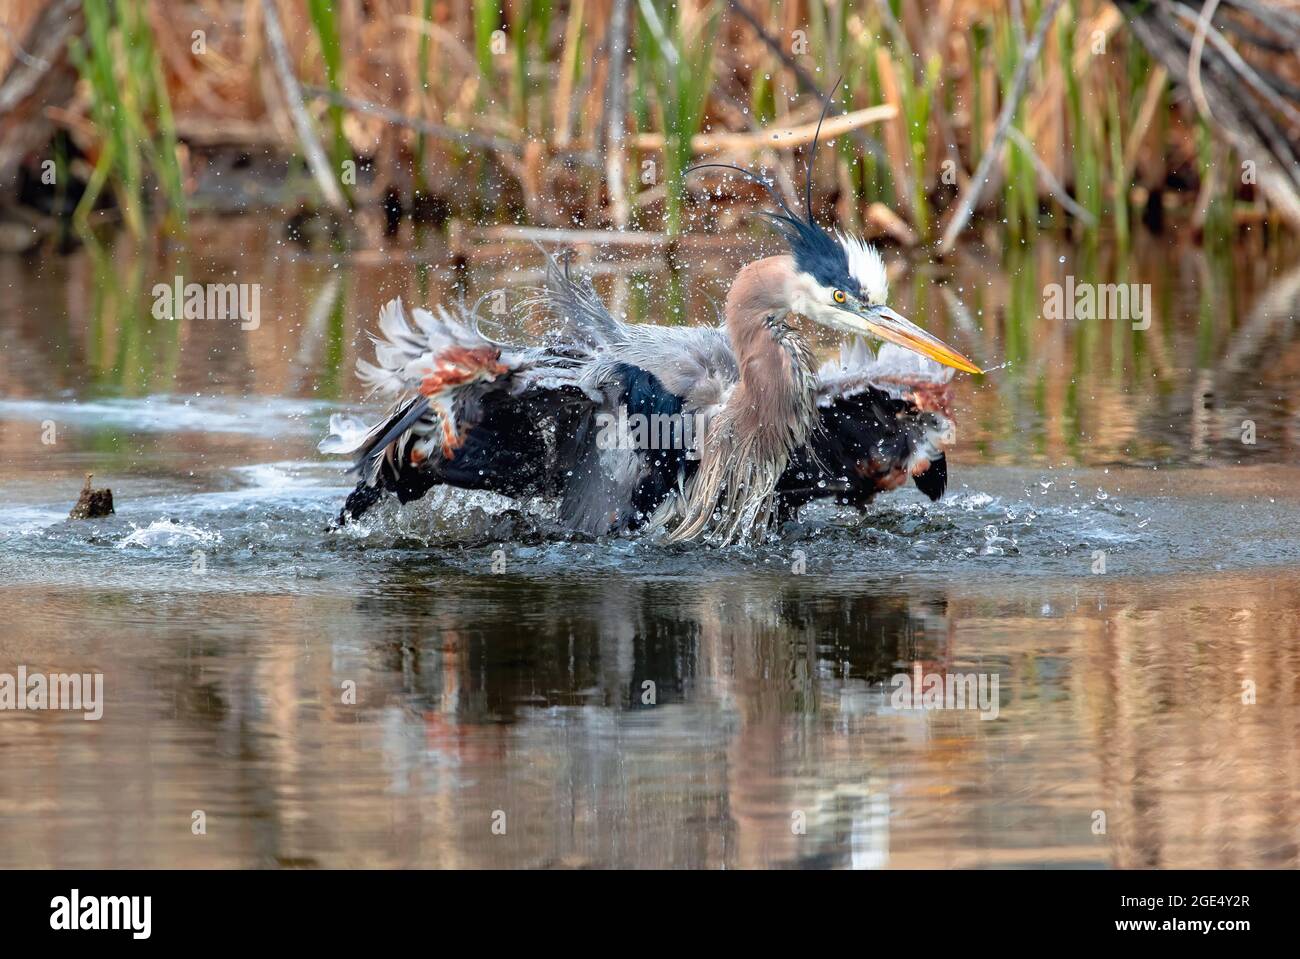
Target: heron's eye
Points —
{"points": [[839, 296]]}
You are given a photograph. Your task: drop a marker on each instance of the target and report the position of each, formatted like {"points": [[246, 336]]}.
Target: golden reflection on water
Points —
{"points": [[478, 695], [772, 703]]}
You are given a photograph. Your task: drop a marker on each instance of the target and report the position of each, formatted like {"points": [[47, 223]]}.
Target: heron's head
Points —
{"points": [[840, 282]]}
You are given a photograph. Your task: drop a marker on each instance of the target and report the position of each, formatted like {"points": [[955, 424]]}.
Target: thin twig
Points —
{"points": [[302, 122], [615, 116], [482, 141], [36, 63], [48, 40], [1009, 107], [1194, 59], [1053, 185], [779, 138], [802, 76]]}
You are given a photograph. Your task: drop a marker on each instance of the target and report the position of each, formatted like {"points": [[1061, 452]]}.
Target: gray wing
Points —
{"points": [[695, 363]]}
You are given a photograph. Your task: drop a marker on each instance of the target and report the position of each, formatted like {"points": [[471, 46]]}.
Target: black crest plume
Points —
{"points": [[815, 251]]}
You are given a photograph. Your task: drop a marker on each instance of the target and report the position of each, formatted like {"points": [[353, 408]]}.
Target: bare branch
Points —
{"points": [[302, 122], [1009, 107]]}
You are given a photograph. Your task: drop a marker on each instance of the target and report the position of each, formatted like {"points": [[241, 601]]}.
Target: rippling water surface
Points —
{"points": [[1110, 551]]}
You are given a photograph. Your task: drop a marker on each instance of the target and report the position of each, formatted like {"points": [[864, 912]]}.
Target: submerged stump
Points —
{"points": [[93, 503]]}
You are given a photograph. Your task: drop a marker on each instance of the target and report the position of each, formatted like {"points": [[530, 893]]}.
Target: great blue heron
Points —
{"points": [[705, 432]]}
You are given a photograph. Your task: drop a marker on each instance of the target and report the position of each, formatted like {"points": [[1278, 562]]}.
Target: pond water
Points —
{"points": [[454, 684]]}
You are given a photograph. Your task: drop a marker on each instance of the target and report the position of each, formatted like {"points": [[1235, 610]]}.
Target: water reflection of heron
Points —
{"points": [[719, 429]]}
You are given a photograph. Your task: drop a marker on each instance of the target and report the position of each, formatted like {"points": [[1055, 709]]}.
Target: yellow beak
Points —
{"points": [[885, 324]]}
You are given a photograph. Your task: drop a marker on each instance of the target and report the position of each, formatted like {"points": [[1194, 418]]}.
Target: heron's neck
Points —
{"points": [[774, 400]]}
